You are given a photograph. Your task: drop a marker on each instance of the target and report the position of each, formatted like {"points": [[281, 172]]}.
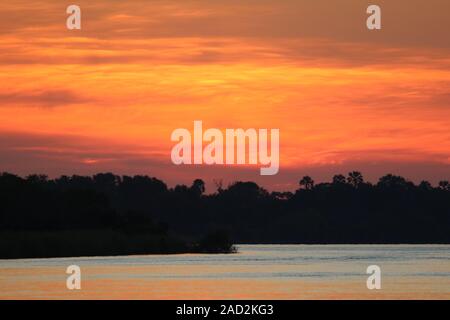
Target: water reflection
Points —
{"points": [[256, 272]]}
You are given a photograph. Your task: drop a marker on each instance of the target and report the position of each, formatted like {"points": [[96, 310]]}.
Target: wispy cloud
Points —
{"points": [[48, 98]]}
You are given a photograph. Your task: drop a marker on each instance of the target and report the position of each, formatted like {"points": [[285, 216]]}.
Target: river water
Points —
{"points": [[256, 272]]}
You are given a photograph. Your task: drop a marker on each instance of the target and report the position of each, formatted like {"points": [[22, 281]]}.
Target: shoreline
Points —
{"points": [[234, 252]]}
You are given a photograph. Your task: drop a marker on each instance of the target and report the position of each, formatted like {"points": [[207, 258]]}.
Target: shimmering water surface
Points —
{"points": [[256, 272]]}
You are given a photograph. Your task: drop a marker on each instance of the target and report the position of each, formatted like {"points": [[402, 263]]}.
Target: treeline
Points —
{"points": [[345, 210], [92, 216]]}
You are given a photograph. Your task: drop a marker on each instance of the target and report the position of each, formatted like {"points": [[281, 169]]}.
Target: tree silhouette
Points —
{"points": [[198, 187], [355, 179], [444, 185], [218, 184], [307, 182], [425, 185], [390, 181], [339, 179]]}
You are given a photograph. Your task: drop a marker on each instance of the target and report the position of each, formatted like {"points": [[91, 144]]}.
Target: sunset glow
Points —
{"points": [[107, 98]]}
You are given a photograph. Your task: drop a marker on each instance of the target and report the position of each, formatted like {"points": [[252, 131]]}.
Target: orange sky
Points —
{"points": [[107, 98]]}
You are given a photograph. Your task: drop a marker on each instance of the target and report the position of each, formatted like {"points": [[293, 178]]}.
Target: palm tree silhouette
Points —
{"points": [[355, 179]]}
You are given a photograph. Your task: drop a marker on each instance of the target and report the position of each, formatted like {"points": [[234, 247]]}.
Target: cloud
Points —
{"points": [[139, 69], [46, 98], [300, 31], [55, 155]]}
